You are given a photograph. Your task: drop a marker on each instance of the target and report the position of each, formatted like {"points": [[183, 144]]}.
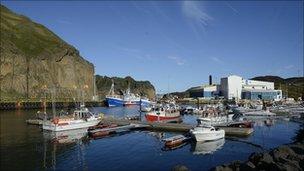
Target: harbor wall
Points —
{"points": [[41, 105]]}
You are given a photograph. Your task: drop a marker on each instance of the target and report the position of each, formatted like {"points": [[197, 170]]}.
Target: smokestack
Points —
{"points": [[210, 80]]}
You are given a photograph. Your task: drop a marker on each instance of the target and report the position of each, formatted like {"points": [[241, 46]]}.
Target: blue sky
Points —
{"points": [[177, 44]]}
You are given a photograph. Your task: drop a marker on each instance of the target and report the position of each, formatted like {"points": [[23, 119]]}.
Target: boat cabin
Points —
{"points": [[82, 113]]}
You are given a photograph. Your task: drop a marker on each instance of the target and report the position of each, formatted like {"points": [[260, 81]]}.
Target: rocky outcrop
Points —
{"points": [[286, 157], [34, 59], [144, 88]]}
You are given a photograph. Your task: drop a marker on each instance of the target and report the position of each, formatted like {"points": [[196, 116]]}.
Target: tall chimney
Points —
{"points": [[210, 80]]}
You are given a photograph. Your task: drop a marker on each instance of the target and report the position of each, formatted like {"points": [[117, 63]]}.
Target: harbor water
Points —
{"points": [[27, 147]]}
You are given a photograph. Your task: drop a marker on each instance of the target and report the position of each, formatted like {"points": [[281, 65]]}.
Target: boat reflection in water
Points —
{"points": [[208, 147], [58, 143], [64, 137]]}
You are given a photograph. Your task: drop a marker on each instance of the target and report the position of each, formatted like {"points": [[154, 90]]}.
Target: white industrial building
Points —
{"points": [[235, 87]]}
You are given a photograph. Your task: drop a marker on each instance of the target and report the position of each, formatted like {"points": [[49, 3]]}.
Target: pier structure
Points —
{"points": [[42, 104], [174, 127], [159, 126]]}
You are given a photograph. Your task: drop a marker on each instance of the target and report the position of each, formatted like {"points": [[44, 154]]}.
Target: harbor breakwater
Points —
{"points": [[285, 157], [41, 105]]}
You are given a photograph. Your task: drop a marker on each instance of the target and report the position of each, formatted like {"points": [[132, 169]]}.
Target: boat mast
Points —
{"points": [[112, 91], [53, 93]]}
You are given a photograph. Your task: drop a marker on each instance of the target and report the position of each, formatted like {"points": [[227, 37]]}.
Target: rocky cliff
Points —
{"points": [[144, 88], [34, 59]]}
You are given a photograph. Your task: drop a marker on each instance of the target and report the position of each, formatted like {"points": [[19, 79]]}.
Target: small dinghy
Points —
{"points": [[102, 131], [176, 140]]}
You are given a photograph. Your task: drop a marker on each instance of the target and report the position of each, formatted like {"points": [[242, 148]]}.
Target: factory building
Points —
{"points": [[205, 91], [235, 87]]}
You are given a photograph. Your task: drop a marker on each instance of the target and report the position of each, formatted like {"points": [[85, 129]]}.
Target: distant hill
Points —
{"points": [[293, 87], [183, 94], [144, 88], [33, 59]]}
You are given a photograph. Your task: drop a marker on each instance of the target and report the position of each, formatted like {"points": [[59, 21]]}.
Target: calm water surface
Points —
{"points": [[27, 147]]}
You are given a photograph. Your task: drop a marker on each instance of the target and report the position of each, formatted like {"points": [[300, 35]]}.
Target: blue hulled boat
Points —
{"points": [[113, 99]]}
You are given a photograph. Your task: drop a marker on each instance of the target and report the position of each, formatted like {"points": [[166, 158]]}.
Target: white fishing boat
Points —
{"points": [[190, 110], [146, 108], [205, 132], [215, 120], [81, 118]]}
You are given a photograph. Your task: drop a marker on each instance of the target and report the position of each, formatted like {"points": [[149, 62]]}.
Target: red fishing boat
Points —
{"points": [[163, 114]]}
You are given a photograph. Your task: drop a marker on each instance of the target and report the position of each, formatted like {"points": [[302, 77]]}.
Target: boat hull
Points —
{"points": [[208, 136], [153, 118], [131, 103], [112, 102], [63, 127], [136, 102]]}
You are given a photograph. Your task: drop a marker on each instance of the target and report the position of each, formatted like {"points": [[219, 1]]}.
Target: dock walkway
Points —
{"points": [[160, 126], [174, 127]]}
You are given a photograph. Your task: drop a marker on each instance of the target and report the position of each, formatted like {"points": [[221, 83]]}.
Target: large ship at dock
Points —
{"points": [[113, 99], [127, 99]]}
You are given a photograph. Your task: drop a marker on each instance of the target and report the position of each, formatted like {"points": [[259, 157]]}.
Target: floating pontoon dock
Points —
{"points": [[160, 126]]}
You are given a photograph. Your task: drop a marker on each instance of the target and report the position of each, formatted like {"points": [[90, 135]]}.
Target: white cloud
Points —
{"points": [[193, 11], [217, 60], [179, 61], [289, 67], [231, 7]]}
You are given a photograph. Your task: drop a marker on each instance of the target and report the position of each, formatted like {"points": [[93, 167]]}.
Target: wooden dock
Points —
{"points": [[159, 126], [175, 127], [234, 131]]}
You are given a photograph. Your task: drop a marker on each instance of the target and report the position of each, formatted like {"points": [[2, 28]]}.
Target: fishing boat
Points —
{"points": [[205, 132], [144, 101], [81, 118], [215, 120], [190, 110], [163, 113], [130, 99], [145, 108], [113, 99]]}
